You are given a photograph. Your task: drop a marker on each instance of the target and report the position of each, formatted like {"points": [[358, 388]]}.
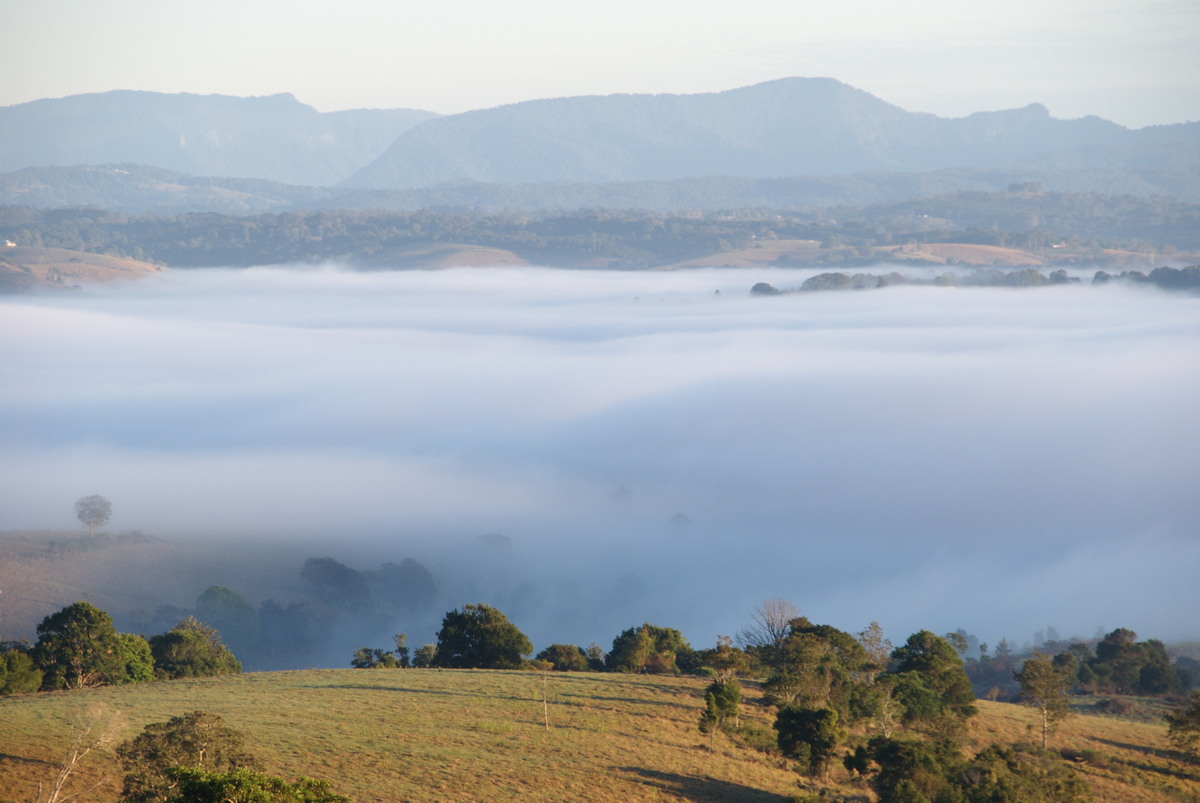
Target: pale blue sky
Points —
{"points": [[1130, 61]]}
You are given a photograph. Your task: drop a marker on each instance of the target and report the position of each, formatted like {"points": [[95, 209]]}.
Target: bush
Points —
{"points": [[199, 786], [198, 740], [565, 658]]}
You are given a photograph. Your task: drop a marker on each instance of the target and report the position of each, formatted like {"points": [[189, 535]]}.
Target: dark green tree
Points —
{"points": [[192, 649], [820, 667], [1019, 774], [202, 786], [480, 637], [809, 735], [722, 702], [78, 647], [1045, 687], [932, 686], [918, 772], [196, 740], [906, 769]]}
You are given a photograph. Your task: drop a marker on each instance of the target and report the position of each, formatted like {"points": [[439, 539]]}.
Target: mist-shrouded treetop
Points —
{"points": [[93, 511]]}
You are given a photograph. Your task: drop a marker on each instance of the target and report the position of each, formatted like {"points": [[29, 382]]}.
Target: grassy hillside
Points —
{"points": [[387, 735], [59, 268]]}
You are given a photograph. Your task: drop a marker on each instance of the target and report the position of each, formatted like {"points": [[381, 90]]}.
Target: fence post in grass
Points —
{"points": [[543, 668]]}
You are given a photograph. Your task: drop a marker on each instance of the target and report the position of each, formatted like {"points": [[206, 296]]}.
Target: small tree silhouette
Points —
{"points": [[93, 511]]}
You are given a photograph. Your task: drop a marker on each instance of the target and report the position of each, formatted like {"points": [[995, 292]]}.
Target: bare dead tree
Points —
{"points": [[772, 621]]}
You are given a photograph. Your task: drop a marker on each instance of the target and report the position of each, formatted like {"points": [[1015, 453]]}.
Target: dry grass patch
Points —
{"points": [[387, 735], [963, 254], [446, 255], [1123, 760], [61, 267], [763, 253]]}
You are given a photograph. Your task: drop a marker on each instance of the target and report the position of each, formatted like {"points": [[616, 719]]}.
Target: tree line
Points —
{"points": [[627, 239], [894, 717], [78, 647]]}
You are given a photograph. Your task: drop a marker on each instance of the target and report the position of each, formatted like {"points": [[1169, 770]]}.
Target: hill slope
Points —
{"points": [[386, 735], [276, 137], [24, 269], [788, 127]]}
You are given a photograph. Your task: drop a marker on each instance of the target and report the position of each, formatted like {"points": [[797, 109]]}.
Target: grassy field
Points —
{"points": [[387, 735]]}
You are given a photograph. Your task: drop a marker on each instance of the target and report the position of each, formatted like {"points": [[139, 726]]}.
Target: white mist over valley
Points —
{"points": [[657, 446]]}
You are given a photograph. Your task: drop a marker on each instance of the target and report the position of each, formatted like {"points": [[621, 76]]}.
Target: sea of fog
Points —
{"points": [[654, 446]]}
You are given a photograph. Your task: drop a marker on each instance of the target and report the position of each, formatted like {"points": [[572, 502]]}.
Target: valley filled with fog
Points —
{"points": [[651, 446]]}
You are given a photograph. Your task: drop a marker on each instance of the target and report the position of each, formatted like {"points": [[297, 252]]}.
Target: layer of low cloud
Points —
{"points": [[998, 460]]}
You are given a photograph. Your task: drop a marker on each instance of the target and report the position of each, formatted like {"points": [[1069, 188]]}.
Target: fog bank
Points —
{"points": [[656, 446]]}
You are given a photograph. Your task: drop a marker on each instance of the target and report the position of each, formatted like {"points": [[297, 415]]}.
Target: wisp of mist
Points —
{"points": [[655, 446]]}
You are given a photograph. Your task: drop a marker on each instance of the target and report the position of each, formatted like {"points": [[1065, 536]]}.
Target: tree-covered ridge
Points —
{"points": [[1051, 227]]}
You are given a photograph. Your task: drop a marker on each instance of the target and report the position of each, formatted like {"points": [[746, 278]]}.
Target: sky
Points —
{"points": [[993, 459], [1131, 61]]}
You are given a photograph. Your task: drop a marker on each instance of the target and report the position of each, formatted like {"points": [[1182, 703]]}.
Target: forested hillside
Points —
{"points": [[1054, 228]]}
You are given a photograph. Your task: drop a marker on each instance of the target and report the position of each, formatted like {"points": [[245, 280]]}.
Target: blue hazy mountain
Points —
{"points": [[789, 127], [277, 138]]}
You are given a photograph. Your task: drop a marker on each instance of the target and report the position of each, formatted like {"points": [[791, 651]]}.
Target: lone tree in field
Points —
{"points": [[480, 637], [1045, 686], [93, 511]]}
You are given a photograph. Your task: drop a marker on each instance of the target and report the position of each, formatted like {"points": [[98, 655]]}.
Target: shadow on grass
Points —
{"points": [[402, 690], [691, 787], [566, 696], [1189, 772], [6, 757], [630, 700]]}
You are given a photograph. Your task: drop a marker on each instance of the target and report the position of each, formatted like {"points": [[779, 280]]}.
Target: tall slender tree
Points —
{"points": [[1045, 686]]}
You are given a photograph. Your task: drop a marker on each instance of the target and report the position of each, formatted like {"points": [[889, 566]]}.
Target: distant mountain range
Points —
{"points": [[791, 142], [277, 138], [789, 127]]}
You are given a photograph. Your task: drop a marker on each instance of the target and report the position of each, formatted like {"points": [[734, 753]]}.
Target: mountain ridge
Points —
{"points": [[273, 137], [786, 127], [778, 130]]}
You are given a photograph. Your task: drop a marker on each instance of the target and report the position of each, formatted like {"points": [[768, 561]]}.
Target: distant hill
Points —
{"points": [[139, 189], [788, 127], [276, 137], [24, 269]]}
